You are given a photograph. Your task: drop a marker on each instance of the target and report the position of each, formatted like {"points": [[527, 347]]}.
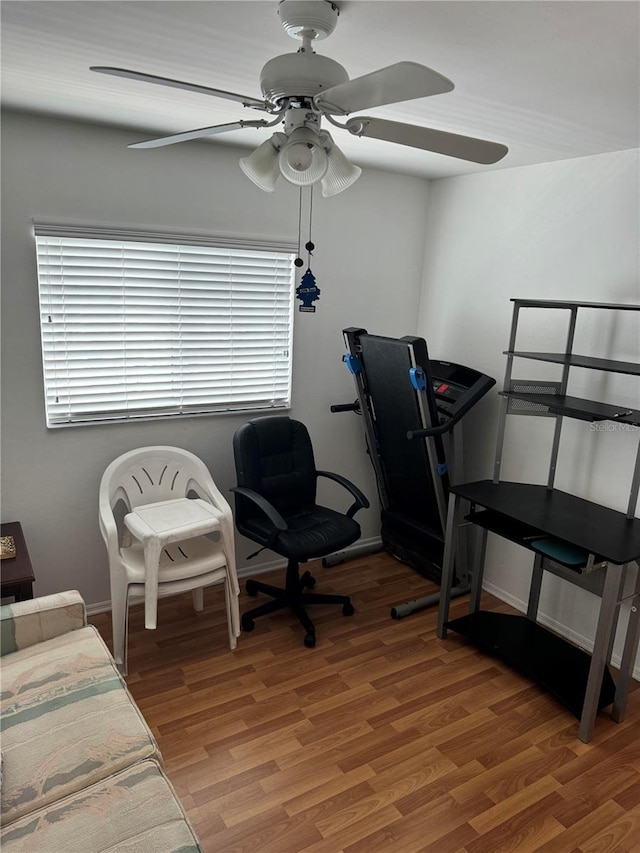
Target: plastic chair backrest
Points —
{"points": [[150, 474]]}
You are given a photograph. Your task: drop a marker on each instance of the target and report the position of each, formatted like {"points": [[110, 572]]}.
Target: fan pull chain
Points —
{"points": [[298, 261], [309, 246], [307, 291]]}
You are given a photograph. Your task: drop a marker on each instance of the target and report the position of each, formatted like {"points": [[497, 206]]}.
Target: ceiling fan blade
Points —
{"points": [[178, 84], [438, 141], [197, 134], [400, 82]]}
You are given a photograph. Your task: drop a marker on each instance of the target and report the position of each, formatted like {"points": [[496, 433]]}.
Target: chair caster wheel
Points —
{"points": [[348, 609], [310, 640], [251, 588], [247, 624], [308, 581]]}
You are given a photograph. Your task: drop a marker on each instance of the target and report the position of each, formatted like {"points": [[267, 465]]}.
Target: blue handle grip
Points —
{"points": [[418, 378], [353, 363]]}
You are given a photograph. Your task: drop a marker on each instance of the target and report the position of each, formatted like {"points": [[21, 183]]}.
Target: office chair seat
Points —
{"points": [[313, 532], [276, 507]]}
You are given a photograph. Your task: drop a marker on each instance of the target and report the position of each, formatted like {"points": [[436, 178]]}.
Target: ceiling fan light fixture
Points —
{"points": [[341, 174], [303, 160], [261, 166]]}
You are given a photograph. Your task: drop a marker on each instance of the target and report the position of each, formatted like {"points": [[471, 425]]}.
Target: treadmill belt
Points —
{"points": [[406, 466]]}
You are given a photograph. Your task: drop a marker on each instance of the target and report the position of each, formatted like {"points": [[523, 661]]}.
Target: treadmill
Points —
{"points": [[410, 406]]}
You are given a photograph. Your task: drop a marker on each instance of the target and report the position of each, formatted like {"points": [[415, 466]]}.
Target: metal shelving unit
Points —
{"points": [[543, 398]]}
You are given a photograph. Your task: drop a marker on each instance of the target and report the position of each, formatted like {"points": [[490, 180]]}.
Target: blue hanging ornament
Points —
{"points": [[307, 292]]}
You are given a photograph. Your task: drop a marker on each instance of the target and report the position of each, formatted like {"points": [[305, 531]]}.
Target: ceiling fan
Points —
{"points": [[299, 89]]}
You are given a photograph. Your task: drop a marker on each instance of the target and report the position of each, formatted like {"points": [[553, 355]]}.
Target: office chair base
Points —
{"points": [[295, 599]]}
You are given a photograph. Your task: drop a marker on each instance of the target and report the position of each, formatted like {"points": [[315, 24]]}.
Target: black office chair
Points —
{"points": [[276, 507]]}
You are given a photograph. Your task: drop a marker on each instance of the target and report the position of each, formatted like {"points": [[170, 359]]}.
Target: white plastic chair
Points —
{"points": [[183, 536]]}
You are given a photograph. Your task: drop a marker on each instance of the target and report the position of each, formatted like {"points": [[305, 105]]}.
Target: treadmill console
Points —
{"points": [[456, 388]]}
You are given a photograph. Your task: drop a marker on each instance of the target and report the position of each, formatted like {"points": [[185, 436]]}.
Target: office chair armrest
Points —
{"points": [[268, 509], [361, 501]]}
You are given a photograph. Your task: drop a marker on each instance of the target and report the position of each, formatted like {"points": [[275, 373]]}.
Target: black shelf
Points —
{"points": [[579, 408], [586, 361], [531, 537], [557, 665], [515, 531]]}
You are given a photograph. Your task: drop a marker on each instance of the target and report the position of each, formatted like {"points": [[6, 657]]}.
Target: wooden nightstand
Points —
{"points": [[16, 573]]}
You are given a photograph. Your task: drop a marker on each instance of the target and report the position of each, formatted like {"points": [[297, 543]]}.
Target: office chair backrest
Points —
{"points": [[274, 457]]}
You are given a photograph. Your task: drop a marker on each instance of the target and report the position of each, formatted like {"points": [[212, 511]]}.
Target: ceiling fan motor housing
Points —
{"points": [[299, 75], [300, 18]]}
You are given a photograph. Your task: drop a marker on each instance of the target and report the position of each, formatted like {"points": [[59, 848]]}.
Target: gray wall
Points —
{"points": [[368, 264]]}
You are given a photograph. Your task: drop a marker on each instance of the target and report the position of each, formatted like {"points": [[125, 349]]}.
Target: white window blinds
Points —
{"points": [[136, 328]]}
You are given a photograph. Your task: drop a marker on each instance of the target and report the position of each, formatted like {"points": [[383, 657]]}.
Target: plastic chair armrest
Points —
{"points": [[361, 501], [108, 526]]}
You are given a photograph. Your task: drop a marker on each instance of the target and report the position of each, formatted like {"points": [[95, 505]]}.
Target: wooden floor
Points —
{"points": [[382, 738]]}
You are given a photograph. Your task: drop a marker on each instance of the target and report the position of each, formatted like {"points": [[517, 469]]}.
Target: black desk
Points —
{"points": [[524, 514]]}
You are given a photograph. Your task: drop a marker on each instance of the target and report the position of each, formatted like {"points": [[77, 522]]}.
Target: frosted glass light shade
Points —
{"points": [[299, 156], [261, 166], [340, 172], [303, 161], [303, 158]]}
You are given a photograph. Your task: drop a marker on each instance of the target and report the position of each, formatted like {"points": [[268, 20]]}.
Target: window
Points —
{"points": [[140, 326]]}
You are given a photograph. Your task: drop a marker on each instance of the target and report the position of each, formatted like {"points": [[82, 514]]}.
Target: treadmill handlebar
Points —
{"points": [[436, 430], [477, 390], [347, 407]]}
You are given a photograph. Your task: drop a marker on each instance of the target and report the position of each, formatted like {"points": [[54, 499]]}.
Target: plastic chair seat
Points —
{"points": [[162, 522], [169, 521], [178, 560]]}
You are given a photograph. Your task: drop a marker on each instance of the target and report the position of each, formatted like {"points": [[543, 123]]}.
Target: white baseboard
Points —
{"points": [[98, 607], [245, 572], [557, 627]]}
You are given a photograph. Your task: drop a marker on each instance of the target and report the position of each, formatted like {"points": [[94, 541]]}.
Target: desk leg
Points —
{"points": [[536, 585], [628, 655], [26, 591], [614, 627], [478, 570], [606, 621], [446, 579], [20, 591]]}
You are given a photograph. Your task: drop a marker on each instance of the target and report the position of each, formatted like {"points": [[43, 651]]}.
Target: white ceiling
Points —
{"points": [[550, 79]]}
